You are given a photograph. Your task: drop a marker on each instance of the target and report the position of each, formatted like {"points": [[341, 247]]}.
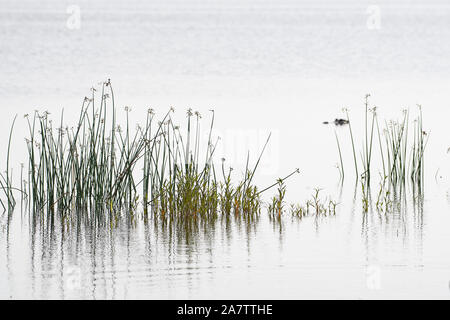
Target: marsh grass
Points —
{"points": [[86, 169], [91, 171], [401, 156]]}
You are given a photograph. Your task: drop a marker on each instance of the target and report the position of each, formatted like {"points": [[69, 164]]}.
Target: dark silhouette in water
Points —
{"points": [[338, 122]]}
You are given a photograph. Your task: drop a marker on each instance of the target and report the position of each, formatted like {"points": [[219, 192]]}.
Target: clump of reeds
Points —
{"points": [[404, 161], [88, 168], [401, 160], [367, 143], [89, 171], [395, 149]]}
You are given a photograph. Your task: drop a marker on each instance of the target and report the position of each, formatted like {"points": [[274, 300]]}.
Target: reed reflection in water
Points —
{"points": [[224, 257]]}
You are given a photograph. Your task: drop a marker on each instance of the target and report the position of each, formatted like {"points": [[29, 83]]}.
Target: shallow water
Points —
{"points": [[284, 67]]}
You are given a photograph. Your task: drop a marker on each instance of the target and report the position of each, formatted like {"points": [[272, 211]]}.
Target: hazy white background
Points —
{"points": [[264, 66]]}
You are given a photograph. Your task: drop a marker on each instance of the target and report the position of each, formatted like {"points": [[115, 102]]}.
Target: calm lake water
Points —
{"points": [[263, 66]]}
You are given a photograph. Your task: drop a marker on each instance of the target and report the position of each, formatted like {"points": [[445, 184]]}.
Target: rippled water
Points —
{"points": [[351, 255], [279, 66]]}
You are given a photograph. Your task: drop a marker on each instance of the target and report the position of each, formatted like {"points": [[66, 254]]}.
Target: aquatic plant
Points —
{"points": [[90, 172], [384, 201], [276, 207], [341, 166], [86, 168], [417, 157], [401, 156], [6, 181], [393, 148], [365, 195], [353, 144], [315, 206], [367, 150]]}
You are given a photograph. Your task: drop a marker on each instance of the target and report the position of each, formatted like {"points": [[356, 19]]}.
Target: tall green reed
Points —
{"points": [[6, 180]]}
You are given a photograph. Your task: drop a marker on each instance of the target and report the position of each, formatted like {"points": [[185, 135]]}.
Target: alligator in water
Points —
{"points": [[338, 122]]}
